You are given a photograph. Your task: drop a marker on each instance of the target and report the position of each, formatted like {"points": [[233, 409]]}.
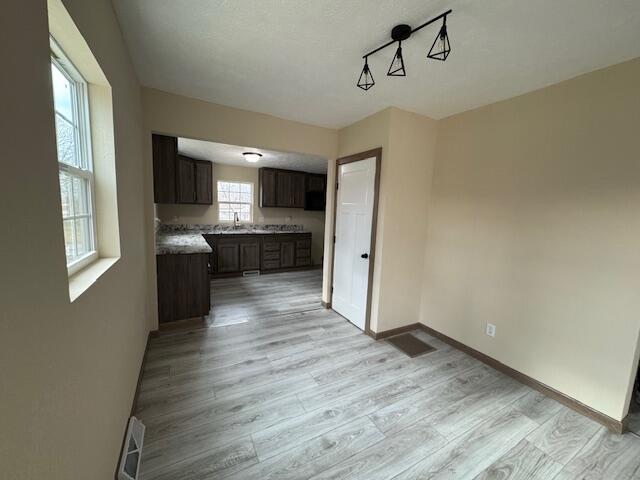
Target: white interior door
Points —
{"points": [[354, 216]]}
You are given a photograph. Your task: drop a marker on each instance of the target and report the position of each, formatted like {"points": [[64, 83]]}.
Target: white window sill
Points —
{"points": [[81, 281]]}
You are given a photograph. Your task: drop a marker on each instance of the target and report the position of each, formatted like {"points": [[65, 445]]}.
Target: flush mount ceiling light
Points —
{"points": [[252, 157], [440, 50]]}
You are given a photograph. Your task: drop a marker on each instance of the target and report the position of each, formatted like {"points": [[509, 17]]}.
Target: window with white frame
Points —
{"points": [[74, 161], [235, 197]]}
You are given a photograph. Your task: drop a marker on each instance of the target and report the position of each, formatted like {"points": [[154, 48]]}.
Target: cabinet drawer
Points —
{"points": [[303, 261], [270, 264], [271, 255], [271, 246], [304, 252], [303, 243]]}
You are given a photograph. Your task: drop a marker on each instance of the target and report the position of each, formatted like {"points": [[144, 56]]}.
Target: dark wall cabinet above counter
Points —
{"points": [[291, 189], [177, 178]]}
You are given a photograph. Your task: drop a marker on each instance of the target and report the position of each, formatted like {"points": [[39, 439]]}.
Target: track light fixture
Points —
{"points": [[440, 50]]}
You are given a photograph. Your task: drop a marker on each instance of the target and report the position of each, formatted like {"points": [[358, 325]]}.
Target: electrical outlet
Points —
{"points": [[490, 330]]}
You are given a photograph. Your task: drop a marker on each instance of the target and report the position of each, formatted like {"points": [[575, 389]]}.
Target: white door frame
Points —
{"points": [[377, 153]]}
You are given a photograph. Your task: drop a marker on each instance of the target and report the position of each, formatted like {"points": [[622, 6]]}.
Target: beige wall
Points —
{"points": [[408, 143], [534, 226], [69, 370], [208, 214]]}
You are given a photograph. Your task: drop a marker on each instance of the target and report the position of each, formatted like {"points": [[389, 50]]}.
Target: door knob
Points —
{"points": [[364, 255]]}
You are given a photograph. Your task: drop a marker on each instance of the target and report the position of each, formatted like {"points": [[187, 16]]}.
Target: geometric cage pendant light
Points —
{"points": [[396, 69], [365, 82], [441, 47], [440, 50]]}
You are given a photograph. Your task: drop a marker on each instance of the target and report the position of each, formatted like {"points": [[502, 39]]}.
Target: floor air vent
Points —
{"points": [[132, 451], [251, 273]]}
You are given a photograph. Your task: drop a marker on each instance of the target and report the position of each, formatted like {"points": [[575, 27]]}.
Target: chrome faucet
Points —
{"points": [[236, 220]]}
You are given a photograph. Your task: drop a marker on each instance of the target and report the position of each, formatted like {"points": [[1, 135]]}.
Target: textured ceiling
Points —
{"points": [[232, 155], [300, 60]]}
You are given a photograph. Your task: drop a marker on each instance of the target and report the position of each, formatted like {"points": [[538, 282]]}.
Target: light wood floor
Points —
{"points": [[303, 394]]}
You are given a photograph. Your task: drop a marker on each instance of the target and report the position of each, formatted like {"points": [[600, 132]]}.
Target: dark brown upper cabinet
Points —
{"points": [[204, 182], [297, 190], [267, 183], [165, 150], [178, 178], [186, 180], [315, 192], [282, 188]]}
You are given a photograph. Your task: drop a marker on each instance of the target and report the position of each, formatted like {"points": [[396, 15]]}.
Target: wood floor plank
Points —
{"points": [[606, 456], [218, 462], [159, 453], [191, 417], [476, 407], [357, 366], [386, 459], [432, 399], [286, 434], [537, 407], [523, 462], [564, 434], [324, 395], [316, 455], [468, 455]]}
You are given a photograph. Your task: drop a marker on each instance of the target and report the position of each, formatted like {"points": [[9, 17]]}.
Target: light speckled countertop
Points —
{"points": [[181, 242], [177, 239]]}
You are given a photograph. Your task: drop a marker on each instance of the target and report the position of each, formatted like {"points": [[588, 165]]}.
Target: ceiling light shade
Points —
{"points": [[396, 69], [252, 157], [441, 47], [365, 82]]}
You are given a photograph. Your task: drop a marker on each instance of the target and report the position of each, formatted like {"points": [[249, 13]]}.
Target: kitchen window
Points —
{"points": [[235, 197], [75, 167]]}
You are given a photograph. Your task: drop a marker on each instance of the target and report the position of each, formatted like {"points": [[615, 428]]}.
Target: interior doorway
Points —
{"points": [[356, 205]]}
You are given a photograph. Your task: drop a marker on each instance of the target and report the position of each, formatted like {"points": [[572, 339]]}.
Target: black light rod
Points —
{"points": [[434, 19]]}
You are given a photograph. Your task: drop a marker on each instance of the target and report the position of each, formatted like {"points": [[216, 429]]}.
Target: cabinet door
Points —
{"points": [[186, 180], [228, 257], [199, 291], [250, 256], [297, 190], [283, 186], [173, 302], [204, 180], [287, 254], [267, 181], [316, 183], [164, 150]]}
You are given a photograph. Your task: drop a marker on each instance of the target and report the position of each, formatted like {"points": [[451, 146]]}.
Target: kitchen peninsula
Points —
{"points": [[187, 255]]}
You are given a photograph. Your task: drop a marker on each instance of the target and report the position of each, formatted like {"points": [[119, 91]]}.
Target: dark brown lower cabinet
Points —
{"points": [[287, 254], [250, 255], [183, 286], [237, 253], [227, 253]]}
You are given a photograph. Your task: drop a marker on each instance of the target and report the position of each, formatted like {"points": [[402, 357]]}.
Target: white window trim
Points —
{"points": [[251, 209], [80, 101]]}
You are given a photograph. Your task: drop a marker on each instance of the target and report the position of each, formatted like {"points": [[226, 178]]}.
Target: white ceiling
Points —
{"points": [[232, 155], [300, 60]]}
